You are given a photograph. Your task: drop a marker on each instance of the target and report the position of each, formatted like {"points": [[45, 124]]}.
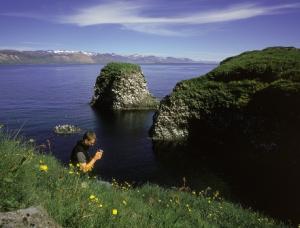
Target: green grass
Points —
{"points": [[267, 65], [119, 69], [66, 197]]}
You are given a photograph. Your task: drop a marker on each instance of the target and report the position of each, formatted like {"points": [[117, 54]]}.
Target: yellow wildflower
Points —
{"points": [[77, 165], [44, 168], [92, 197], [114, 211]]}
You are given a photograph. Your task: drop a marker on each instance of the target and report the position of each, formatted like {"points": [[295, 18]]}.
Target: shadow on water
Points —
{"points": [[174, 160], [127, 147], [129, 154], [266, 180]]}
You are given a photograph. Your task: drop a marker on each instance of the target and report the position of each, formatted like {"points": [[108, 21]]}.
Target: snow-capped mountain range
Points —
{"points": [[83, 57]]}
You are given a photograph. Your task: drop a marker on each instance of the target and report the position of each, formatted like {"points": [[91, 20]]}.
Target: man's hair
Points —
{"points": [[89, 135]]}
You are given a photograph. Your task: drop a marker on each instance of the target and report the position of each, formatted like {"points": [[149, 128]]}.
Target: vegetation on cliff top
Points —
{"points": [[267, 65], [117, 69]]}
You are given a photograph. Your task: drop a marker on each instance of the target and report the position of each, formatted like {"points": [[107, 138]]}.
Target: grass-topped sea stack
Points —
{"points": [[243, 118], [256, 93], [122, 86]]}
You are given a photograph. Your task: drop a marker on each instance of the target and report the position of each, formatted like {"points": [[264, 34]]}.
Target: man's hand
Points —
{"points": [[98, 154]]}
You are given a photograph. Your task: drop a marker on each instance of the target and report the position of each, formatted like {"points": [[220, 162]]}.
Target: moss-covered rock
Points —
{"points": [[240, 93], [267, 65], [122, 86]]}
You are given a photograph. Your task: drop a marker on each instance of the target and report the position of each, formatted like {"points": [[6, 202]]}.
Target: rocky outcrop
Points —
{"points": [[242, 121], [122, 86], [29, 217], [255, 96]]}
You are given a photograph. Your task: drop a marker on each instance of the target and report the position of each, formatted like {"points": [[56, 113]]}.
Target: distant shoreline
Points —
{"points": [[70, 64], [79, 57]]}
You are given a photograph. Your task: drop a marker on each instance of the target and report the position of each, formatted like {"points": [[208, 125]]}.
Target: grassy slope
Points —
{"points": [[244, 75], [65, 195], [267, 65]]}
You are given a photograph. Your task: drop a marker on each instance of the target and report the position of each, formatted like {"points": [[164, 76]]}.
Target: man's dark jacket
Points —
{"points": [[80, 153]]}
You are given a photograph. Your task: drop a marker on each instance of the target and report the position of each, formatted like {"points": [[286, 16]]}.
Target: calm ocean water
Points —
{"points": [[35, 98]]}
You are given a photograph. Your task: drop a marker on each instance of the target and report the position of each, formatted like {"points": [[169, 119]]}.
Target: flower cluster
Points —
{"points": [[93, 199], [73, 169], [43, 167], [123, 186]]}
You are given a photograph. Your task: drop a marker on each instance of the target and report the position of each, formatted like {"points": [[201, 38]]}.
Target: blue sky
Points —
{"points": [[197, 29]]}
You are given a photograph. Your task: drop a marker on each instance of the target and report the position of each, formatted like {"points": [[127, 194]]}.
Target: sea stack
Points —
{"points": [[122, 86], [255, 94]]}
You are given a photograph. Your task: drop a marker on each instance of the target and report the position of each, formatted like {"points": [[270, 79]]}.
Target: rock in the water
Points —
{"points": [[122, 86], [29, 217], [232, 97], [66, 129]]}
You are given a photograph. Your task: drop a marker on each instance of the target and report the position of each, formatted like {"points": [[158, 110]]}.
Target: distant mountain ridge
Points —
{"points": [[82, 57]]}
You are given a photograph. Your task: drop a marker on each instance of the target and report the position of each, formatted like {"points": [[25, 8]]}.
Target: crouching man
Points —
{"points": [[80, 154]]}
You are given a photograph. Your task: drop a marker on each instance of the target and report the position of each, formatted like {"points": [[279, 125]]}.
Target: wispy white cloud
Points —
{"points": [[130, 16]]}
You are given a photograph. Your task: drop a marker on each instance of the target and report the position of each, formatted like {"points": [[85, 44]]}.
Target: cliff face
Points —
{"points": [[122, 86], [254, 96]]}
